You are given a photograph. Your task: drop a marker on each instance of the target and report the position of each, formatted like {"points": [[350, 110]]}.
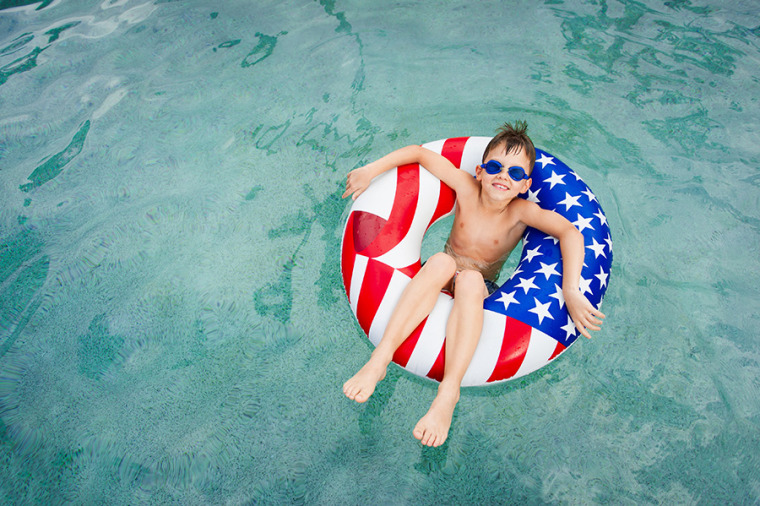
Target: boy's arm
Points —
{"points": [[584, 314], [359, 179]]}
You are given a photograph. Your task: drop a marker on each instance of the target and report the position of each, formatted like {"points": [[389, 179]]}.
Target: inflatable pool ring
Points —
{"points": [[526, 324]]}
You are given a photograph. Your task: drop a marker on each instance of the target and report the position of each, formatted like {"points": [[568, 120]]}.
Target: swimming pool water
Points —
{"points": [[173, 327]]}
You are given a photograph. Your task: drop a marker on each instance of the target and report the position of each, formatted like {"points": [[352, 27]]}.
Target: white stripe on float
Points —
{"points": [[472, 154], [376, 198], [540, 348], [392, 294], [436, 146], [357, 277], [407, 251], [431, 338], [488, 350]]}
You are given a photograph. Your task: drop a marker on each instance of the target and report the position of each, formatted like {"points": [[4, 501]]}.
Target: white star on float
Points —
{"points": [[532, 253], [507, 299], [548, 270], [569, 328], [551, 238], [602, 277], [570, 201], [608, 240], [597, 248], [583, 223], [585, 285], [558, 295], [533, 196], [591, 197], [517, 271], [555, 179], [545, 160], [601, 217], [541, 310], [575, 175], [527, 284]]}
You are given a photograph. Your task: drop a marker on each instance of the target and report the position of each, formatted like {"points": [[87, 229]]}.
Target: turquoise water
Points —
{"points": [[173, 327]]}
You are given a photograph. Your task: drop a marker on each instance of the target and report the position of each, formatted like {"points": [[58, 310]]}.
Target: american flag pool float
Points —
{"points": [[526, 324]]}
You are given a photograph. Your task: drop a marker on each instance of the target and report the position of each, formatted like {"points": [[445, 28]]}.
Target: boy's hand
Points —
{"points": [[357, 181], [585, 316]]}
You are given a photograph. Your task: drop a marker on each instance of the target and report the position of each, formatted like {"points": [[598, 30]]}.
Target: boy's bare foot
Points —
{"points": [[362, 384], [433, 428]]}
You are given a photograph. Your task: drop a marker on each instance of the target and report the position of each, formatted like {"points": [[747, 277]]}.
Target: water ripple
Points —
{"points": [[54, 165], [659, 52]]}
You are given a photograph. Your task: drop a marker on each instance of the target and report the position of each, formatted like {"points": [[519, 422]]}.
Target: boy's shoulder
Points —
{"points": [[521, 203], [519, 208]]}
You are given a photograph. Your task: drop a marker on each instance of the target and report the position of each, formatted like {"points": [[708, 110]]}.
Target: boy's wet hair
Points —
{"points": [[514, 138]]}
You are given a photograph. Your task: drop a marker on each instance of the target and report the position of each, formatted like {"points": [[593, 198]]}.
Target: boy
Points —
{"points": [[488, 223]]}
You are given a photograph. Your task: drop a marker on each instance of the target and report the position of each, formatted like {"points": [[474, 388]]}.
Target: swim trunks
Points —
{"points": [[492, 286]]}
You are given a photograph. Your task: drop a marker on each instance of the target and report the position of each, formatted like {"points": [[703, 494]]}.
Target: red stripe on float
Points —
{"points": [[348, 255], [374, 285], [559, 349], [411, 270], [366, 227], [446, 199], [404, 352], [436, 372], [513, 349], [453, 148], [402, 213]]}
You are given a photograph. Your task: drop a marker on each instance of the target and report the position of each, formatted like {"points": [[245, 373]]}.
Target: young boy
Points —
{"points": [[488, 223]]}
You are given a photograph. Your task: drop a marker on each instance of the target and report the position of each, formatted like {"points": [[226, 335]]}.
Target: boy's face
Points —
{"points": [[501, 185]]}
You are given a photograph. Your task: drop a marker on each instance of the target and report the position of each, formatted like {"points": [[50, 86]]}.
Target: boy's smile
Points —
{"points": [[503, 186]]}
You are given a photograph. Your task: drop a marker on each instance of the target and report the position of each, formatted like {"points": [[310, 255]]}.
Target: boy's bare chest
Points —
{"points": [[487, 238]]}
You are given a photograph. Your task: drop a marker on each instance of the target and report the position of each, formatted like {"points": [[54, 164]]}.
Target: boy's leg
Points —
{"points": [[462, 335], [415, 305]]}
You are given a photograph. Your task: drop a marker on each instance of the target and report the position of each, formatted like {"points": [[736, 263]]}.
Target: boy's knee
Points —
{"points": [[443, 263], [470, 280]]}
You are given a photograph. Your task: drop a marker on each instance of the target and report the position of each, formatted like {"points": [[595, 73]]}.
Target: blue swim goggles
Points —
{"points": [[516, 173]]}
